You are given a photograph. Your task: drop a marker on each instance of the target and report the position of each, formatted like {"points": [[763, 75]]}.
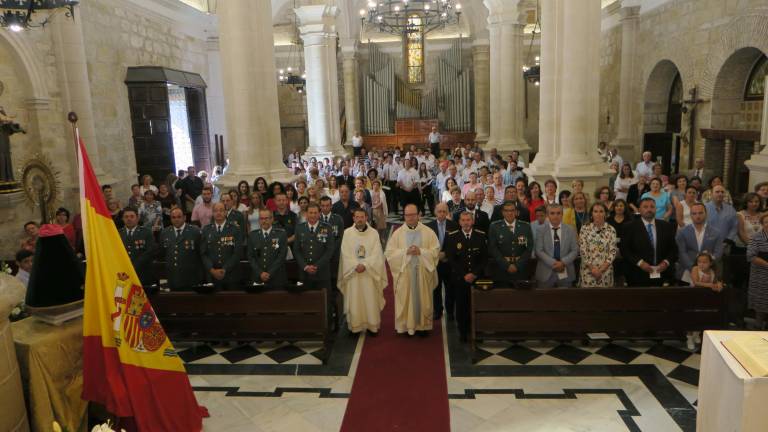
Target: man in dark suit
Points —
{"points": [[699, 171], [180, 247], [267, 248], [510, 194], [648, 247], [191, 187], [480, 218], [313, 249], [345, 205], [467, 253], [345, 179], [510, 246], [442, 226], [140, 245], [221, 249]]}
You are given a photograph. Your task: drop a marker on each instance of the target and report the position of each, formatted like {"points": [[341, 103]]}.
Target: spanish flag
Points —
{"points": [[129, 365]]}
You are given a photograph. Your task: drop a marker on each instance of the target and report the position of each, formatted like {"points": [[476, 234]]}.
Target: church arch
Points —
{"points": [[657, 99], [729, 109], [22, 54]]}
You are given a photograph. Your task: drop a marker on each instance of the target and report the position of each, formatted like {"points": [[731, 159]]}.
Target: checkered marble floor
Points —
{"points": [[269, 353], [671, 358]]}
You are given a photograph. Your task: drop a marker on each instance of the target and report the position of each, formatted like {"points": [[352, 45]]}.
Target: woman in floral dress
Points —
{"points": [[597, 244]]}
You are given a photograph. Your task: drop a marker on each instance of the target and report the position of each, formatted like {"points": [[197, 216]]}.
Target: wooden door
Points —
{"points": [[198, 128], [150, 120], [660, 144]]}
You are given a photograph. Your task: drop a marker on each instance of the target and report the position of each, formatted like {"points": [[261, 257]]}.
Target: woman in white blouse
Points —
{"points": [[625, 179], [450, 183], [490, 201], [146, 184]]}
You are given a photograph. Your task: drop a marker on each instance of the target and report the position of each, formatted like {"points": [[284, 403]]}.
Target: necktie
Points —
{"points": [[130, 233], [649, 227], [312, 230], [218, 229], [178, 232], [556, 239], [266, 235], [441, 231], [467, 235]]}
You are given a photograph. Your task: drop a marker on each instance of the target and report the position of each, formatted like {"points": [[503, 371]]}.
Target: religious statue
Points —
{"points": [[8, 127]]}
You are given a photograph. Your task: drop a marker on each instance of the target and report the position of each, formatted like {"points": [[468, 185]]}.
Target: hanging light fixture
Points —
{"points": [[394, 16], [18, 15], [294, 74], [532, 72]]}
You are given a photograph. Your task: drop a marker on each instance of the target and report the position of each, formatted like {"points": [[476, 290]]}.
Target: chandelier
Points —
{"points": [[17, 15], [293, 73], [533, 73], [403, 17]]}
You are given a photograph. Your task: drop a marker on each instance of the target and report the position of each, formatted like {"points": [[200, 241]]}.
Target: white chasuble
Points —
{"points": [[414, 276], [363, 292]]}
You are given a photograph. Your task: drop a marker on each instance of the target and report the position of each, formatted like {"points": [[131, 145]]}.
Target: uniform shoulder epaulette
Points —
{"points": [[453, 232], [523, 222], [276, 228], [481, 232]]}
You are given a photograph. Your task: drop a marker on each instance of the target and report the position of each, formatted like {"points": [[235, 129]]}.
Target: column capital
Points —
{"points": [[629, 13], [504, 12], [317, 18]]}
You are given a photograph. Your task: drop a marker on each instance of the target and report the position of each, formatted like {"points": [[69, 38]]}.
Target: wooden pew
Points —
{"points": [[244, 316], [568, 313]]}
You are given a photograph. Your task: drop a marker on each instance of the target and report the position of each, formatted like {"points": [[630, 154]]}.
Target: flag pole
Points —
{"points": [[72, 118]]}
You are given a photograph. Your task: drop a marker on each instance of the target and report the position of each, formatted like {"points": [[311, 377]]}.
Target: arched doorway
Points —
{"points": [[737, 104], [662, 115]]}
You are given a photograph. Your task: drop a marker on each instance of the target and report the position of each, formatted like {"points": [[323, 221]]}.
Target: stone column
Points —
{"points": [[758, 163], [627, 138], [481, 56], [76, 87], [507, 85], [250, 92], [351, 88], [318, 31], [727, 161], [570, 90]]}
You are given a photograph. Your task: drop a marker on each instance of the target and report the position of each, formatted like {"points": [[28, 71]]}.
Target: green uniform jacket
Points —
{"points": [[288, 222], [268, 255], [316, 249], [466, 256], [183, 265], [507, 246], [141, 249], [222, 251], [337, 224], [237, 218]]}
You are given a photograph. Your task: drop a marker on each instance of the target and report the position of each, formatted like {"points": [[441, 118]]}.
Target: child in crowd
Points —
{"points": [[702, 275]]}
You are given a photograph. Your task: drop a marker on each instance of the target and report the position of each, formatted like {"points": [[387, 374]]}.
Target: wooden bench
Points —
{"points": [[568, 313], [244, 316]]}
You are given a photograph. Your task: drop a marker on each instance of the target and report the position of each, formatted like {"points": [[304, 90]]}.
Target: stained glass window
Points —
{"points": [[414, 47], [756, 83]]}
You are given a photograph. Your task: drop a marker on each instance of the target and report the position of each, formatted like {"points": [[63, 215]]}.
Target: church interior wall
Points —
{"points": [[117, 35], [610, 70]]}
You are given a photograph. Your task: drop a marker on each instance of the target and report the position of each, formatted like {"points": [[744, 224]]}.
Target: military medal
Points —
{"points": [[458, 246], [275, 244]]}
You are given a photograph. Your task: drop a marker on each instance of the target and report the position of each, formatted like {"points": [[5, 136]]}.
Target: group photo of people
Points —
{"points": [[468, 213]]}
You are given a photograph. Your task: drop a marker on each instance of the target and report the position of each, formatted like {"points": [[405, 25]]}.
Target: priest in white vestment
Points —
{"points": [[362, 275], [412, 252]]}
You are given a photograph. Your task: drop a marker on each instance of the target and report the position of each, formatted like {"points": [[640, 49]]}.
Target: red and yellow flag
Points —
{"points": [[129, 365]]}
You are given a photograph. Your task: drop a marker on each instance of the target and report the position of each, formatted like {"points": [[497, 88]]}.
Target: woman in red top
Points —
{"points": [[534, 199], [244, 190]]}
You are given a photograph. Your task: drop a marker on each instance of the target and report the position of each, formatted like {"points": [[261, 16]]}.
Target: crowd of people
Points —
{"points": [[643, 228]]}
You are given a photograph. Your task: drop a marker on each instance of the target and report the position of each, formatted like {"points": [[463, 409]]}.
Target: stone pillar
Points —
{"points": [[76, 87], [318, 31], [758, 163], [627, 138], [507, 89], [481, 56], [570, 90], [351, 89], [250, 92]]}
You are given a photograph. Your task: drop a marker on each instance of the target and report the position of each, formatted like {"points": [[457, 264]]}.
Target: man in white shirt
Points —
{"points": [[645, 167], [407, 181], [357, 143], [515, 156], [434, 142]]}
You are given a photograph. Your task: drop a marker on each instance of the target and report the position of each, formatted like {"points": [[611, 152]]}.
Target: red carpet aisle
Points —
{"points": [[400, 383]]}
